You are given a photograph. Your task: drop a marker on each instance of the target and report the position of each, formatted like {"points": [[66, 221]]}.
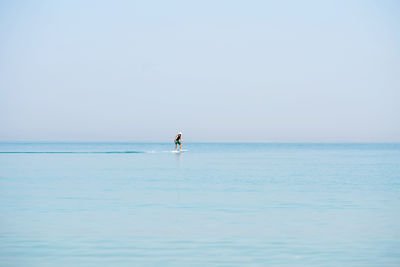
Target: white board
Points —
{"points": [[177, 151]]}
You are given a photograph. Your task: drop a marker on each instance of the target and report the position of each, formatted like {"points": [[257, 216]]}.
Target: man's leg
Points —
{"points": [[180, 147], [176, 145]]}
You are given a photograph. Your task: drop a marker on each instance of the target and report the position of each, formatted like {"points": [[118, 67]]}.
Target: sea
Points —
{"points": [[215, 204]]}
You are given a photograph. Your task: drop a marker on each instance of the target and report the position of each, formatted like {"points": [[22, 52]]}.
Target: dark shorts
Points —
{"points": [[178, 142]]}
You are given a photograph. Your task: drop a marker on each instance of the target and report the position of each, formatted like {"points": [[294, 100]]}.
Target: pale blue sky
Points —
{"points": [[275, 71]]}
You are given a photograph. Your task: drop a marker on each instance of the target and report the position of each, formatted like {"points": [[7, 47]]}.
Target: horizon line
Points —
{"points": [[208, 142]]}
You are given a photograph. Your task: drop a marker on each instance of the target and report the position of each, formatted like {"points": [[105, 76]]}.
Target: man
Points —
{"points": [[178, 141]]}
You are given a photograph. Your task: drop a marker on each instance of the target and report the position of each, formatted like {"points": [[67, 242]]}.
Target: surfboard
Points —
{"points": [[177, 151]]}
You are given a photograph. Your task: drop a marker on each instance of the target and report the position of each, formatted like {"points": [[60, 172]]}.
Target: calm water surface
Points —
{"points": [[127, 204]]}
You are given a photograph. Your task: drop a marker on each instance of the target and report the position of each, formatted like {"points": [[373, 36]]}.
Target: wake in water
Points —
{"points": [[88, 152], [72, 152]]}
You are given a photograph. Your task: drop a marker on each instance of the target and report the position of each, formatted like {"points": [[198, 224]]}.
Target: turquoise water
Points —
{"points": [[214, 205]]}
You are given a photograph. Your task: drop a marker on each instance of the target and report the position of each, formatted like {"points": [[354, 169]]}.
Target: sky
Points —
{"points": [[219, 71]]}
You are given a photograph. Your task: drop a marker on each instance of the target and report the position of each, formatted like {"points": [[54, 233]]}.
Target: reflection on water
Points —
{"points": [[178, 158]]}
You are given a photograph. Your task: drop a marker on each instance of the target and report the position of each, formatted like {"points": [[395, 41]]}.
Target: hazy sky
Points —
{"points": [[280, 71]]}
